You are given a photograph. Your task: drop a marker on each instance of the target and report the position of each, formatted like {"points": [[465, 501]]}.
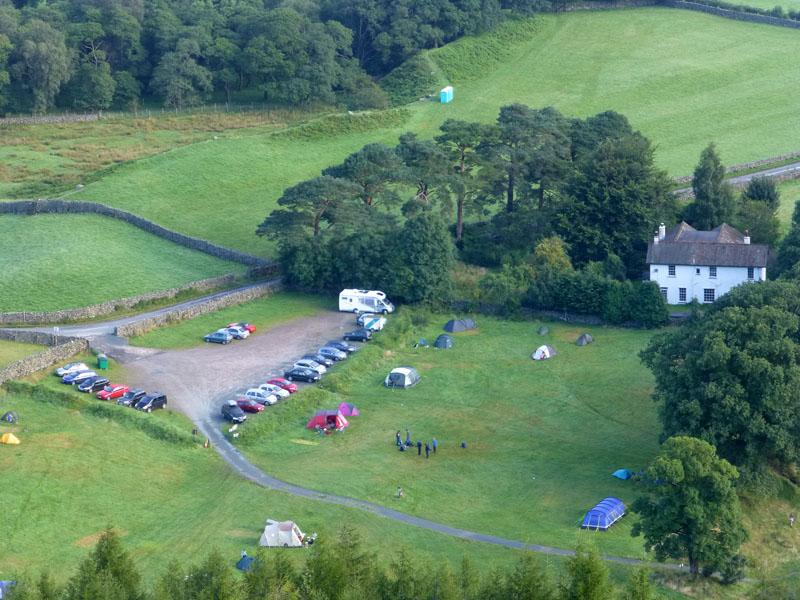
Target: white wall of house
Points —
{"points": [[698, 281]]}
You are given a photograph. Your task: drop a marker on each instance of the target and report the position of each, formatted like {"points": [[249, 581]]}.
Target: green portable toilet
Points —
{"points": [[102, 361]]}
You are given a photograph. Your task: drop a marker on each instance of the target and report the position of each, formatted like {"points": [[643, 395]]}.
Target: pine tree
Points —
{"points": [[714, 201], [589, 577]]}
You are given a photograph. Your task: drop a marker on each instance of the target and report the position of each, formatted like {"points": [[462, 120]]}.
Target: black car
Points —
{"points": [[359, 335], [339, 345], [318, 358], [232, 412], [93, 384], [151, 402], [300, 374], [131, 397]]}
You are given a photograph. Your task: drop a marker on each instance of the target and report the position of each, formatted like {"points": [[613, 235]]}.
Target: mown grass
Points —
{"points": [[682, 78], [790, 195], [263, 313], [13, 351], [51, 262]]}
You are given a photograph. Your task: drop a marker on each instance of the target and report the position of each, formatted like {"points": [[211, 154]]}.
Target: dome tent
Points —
{"points": [[402, 377], [544, 330], [348, 410], [245, 563], [281, 534], [544, 352], [9, 438], [584, 340], [443, 341], [328, 419], [604, 514], [460, 325]]}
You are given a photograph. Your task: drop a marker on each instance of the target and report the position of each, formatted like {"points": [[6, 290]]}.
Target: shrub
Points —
{"points": [[410, 81], [153, 427]]}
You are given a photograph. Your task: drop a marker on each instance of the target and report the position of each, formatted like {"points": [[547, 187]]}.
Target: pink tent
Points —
{"points": [[348, 410]]}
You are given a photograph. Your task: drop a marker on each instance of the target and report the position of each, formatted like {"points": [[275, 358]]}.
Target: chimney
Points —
{"points": [[662, 231], [746, 236], [655, 239]]}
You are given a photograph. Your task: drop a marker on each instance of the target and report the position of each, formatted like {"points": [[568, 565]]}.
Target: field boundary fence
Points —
{"points": [[61, 348]]}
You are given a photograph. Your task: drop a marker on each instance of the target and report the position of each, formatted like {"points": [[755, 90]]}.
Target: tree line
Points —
{"points": [[97, 54], [337, 569]]}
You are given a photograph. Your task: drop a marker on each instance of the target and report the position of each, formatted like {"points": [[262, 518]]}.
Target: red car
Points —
{"points": [[250, 328], [249, 405], [111, 391], [282, 383]]}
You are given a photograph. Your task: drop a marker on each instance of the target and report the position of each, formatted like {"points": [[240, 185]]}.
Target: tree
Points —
{"points": [[529, 580], [426, 250], [757, 211], [689, 508], [5, 79], [589, 578], [648, 306], [714, 202], [373, 168], [639, 586], [551, 253], [730, 377], [588, 134], [92, 86], [617, 197], [127, 90], [427, 168], [40, 63], [789, 249], [179, 79]]}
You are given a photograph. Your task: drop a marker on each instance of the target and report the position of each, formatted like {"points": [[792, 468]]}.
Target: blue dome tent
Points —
{"points": [[605, 513], [623, 474]]}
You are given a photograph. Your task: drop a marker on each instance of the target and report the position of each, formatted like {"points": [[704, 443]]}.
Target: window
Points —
{"points": [[672, 270], [664, 292], [750, 272], [708, 295], [712, 272], [681, 294], [697, 270]]}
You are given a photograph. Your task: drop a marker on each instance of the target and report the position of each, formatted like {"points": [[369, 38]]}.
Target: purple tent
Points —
{"points": [[348, 410]]}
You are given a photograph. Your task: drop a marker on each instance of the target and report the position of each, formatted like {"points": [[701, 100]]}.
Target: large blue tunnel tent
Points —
{"points": [[605, 513]]}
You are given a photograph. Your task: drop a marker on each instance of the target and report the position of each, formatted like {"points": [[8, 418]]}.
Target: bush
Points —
{"points": [[410, 81]]}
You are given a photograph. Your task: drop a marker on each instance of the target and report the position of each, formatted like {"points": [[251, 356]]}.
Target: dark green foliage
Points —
{"points": [[714, 202], [694, 512], [39, 65], [639, 586], [789, 249], [92, 87], [588, 134], [155, 428], [179, 79], [757, 211], [426, 252], [647, 305], [373, 168], [730, 377], [409, 82], [589, 577], [127, 90]]}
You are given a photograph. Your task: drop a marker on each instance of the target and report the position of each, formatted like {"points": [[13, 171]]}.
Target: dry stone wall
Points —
{"points": [[732, 14], [33, 119], [181, 314], [67, 348], [106, 308]]}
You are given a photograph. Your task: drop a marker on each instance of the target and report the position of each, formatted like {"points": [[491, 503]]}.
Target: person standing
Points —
{"points": [[791, 519], [399, 492], [244, 553], [427, 449], [419, 447], [399, 443], [434, 445], [408, 438]]}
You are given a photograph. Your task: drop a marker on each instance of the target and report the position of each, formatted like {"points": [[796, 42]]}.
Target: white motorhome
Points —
{"points": [[359, 301]]}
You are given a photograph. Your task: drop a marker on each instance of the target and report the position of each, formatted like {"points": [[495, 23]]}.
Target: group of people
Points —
{"points": [[403, 447]]}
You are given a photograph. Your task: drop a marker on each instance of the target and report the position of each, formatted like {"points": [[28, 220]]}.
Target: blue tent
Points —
{"points": [[622, 474], [605, 513], [245, 563]]}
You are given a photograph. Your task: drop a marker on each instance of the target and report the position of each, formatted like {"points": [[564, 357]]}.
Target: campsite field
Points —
{"points": [[263, 313], [683, 78], [65, 261], [11, 351]]}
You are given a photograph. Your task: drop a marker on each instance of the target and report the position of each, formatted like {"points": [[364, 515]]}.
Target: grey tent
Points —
{"points": [[402, 377], [443, 341], [245, 563], [544, 330], [460, 325], [543, 353], [584, 340]]}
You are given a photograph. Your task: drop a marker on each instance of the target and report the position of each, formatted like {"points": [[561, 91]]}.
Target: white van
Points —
{"points": [[359, 301]]}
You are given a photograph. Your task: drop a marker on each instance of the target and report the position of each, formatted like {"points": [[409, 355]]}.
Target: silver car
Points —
{"points": [[72, 367], [311, 364], [274, 390], [332, 353]]}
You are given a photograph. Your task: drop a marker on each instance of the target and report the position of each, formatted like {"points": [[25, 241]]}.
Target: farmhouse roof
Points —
{"points": [[723, 246]]}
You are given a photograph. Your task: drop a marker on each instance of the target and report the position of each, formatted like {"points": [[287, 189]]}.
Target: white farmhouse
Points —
{"points": [[687, 263]]}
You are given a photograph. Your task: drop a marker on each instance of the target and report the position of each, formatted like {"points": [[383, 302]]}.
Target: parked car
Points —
{"points": [[72, 367], [112, 391], [151, 402], [318, 358], [301, 374], [311, 364], [371, 321], [232, 412], [92, 384], [77, 377], [340, 345], [238, 333], [219, 337], [249, 405], [282, 383], [359, 335], [261, 396], [250, 328], [131, 397], [332, 353], [275, 390]]}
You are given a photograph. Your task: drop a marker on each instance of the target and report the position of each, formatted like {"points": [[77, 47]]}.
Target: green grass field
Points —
{"points": [[263, 313], [66, 261], [12, 351], [790, 194], [682, 78]]}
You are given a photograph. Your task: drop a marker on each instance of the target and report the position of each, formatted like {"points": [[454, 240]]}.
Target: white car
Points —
{"points": [[238, 333], [371, 321], [311, 364], [275, 390], [71, 368], [260, 396]]}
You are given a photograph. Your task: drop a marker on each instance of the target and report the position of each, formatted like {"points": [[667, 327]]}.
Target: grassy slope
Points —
{"points": [[66, 261], [263, 313], [790, 194], [683, 78], [11, 351]]}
